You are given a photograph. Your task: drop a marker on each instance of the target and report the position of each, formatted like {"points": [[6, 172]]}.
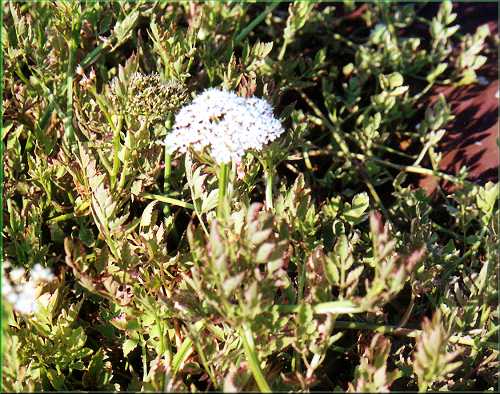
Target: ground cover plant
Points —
{"points": [[222, 196]]}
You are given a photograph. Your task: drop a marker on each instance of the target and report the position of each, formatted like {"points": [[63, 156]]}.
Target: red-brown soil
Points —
{"points": [[471, 139]]}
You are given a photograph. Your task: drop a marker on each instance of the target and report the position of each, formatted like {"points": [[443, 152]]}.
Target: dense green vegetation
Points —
{"points": [[313, 264]]}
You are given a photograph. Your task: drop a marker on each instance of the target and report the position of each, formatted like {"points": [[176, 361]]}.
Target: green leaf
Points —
{"points": [[124, 28], [440, 68], [264, 252], [341, 249], [232, 283], [209, 202], [147, 214], [331, 271], [56, 379], [129, 345], [182, 354], [357, 208], [95, 376]]}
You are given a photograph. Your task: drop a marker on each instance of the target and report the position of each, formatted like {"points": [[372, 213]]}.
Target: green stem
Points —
{"points": [[69, 132], [346, 41], [123, 177], [165, 345], [283, 50], [116, 151], [61, 218], [375, 196], [167, 200], [269, 188], [336, 133], [223, 177], [253, 360], [166, 181], [105, 162], [167, 172], [183, 352], [162, 336], [394, 151], [255, 22], [168, 159], [307, 159], [424, 150]]}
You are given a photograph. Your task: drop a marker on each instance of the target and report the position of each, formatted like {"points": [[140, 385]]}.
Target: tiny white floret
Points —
{"points": [[26, 300], [16, 274], [41, 274]]}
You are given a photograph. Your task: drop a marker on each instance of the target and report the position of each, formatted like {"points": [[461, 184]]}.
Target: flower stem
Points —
{"points": [[269, 188], [166, 181], [167, 172], [223, 176], [168, 160], [253, 360]]}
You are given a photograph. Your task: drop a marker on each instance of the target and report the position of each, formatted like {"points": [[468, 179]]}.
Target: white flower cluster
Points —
{"points": [[21, 293], [227, 124]]}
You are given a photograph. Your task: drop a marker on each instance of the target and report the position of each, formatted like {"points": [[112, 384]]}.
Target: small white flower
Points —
{"points": [[41, 274], [21, 294], [225, 123], [12, 297], [6, 287], [26, 300], [16, 274]]}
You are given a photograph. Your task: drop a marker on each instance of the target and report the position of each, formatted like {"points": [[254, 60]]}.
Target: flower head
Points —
{"points": [[225, 123], [22, 293], [148, 96], [41, 274]]}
